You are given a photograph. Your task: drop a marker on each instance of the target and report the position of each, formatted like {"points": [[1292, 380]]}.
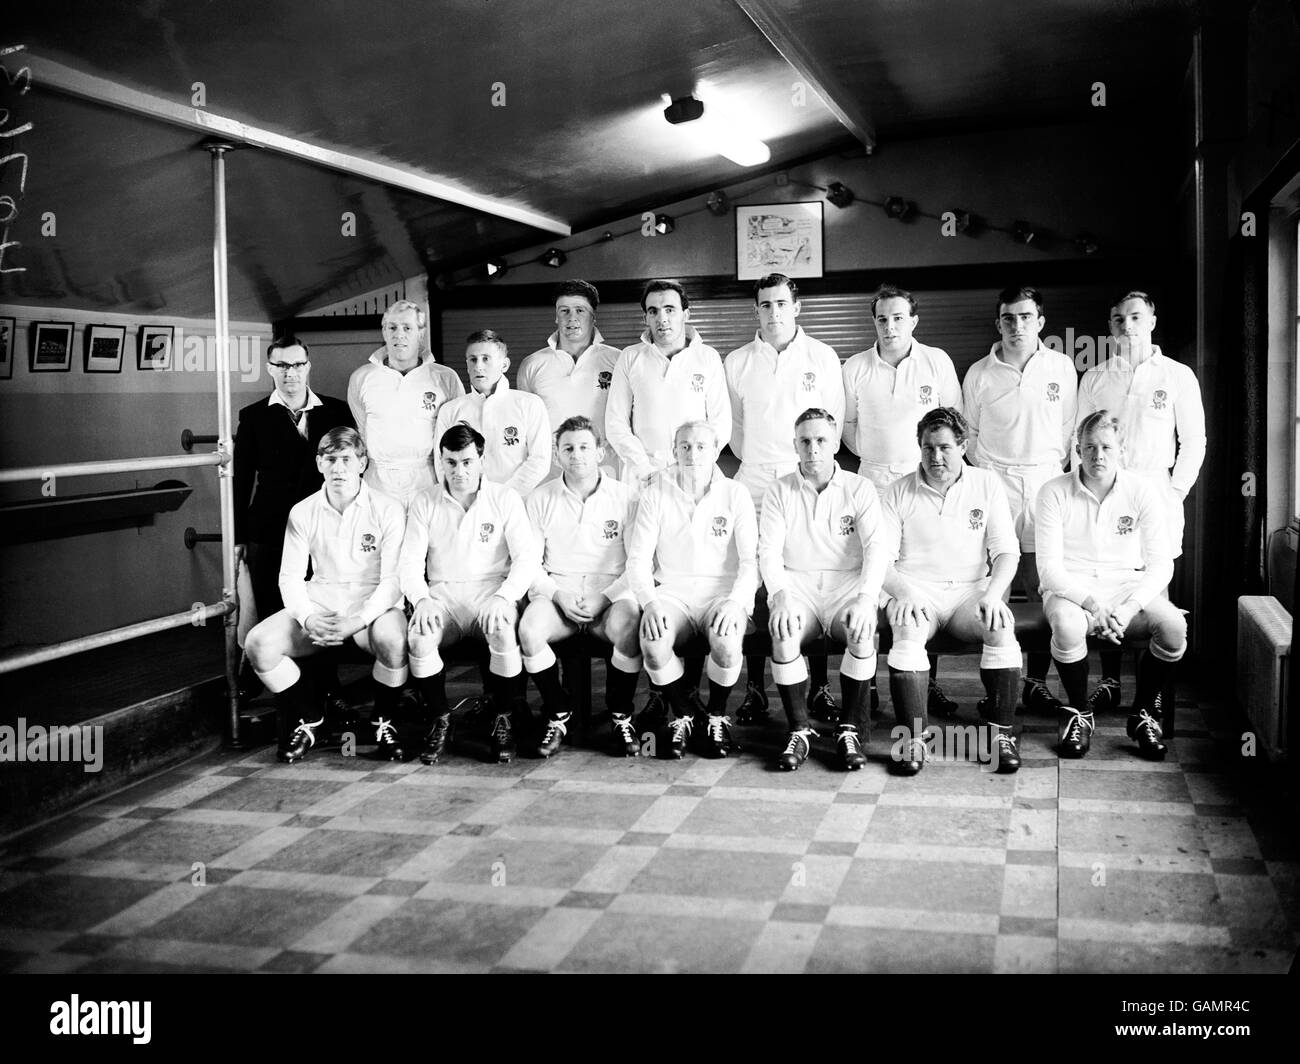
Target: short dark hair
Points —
{"points": [[1015, 294], [889, 291], [775, 280], [1137, 295], [579, 288], [460, 436], [338, 438], [1097, 421], [487, 336], [281, 342], [814, 413], [943, 417], [578, 423], [651, 287]]}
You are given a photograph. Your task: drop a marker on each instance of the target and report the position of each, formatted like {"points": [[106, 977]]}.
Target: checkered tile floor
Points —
{"points": [[590, 863]]}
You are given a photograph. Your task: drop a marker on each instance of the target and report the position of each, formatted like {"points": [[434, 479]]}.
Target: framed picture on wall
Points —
{"points": [[103, 348], [51, 349], [779, 238], [7, 326], [155, 347]]}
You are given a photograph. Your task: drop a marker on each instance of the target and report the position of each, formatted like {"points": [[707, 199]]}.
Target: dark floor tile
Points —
{"points": [[761, 819], [576, 809], [795, 912], [585, 899], [1135, 786], [89, 944], [397, 888], [870, 949], [1031, 857], [939, 826], [851, 798], [523, 863], [11, 959], [295, 962], [828, 848], [176, 842], [938, 886], [442, 929], [643, 838], [1219, 810], [1238, 866], [1038, 927], [473, 830], [245, 916], [1140, 897], [262, 795], [346, 853], [148, 812], [621, 942], [1118, 956], [715, 874], [690, 790], [304, 820], [69, 903]]}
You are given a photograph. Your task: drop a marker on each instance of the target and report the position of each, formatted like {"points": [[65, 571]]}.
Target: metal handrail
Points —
{"points": [[26, 658], [120, 465]]}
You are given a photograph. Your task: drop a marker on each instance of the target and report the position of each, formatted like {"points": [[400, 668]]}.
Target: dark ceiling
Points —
{"points": [[580, 139]]}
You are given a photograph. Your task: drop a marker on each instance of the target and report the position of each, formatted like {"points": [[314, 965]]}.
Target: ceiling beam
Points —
{"points": [[51, 75], [765, 14]]}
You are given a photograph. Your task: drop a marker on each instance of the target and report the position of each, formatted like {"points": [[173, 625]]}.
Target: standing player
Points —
{"points": [[582, 520], [1103, 552], [691, 563], [351, 537], [669, 377], [395, 399], [1157, 402], [467, 559], [888, 389], [1020, 400], [771, 380], [947, 522], [573, 372], [513, 423], [822, 552]]}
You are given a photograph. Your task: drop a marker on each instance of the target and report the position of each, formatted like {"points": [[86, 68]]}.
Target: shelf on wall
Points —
{"points": [[78, 515]]}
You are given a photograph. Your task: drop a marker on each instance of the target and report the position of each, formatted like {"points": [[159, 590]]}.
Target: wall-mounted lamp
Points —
{"points": [[664, 224], [840, 195], [899, 209], [554, 258]]}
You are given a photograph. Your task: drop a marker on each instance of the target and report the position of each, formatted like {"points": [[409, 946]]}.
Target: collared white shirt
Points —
{"points": [[1161, 417], [953, 536], [570, 386], [1020, 417], [687, 545], [313, 401], [516, 428], [1081, 540], [396, 412], [883, 403], [838, 529], [350, 553], [652, 394], [490, 540], [581, 537], [768, 390]]}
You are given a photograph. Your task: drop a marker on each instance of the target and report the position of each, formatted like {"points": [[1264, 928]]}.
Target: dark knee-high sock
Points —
{"points": [[1003, 688], [1112, 663], [934, 667], [675, 696], [1074, 678], [794, 700], [433, 692], [909, 691], [817, 677], [1151, 676], [755, 665], [1039, 663], [693, 669], [554, 696], [718, 696], [387, 700], [620, 688], [856, 695]]}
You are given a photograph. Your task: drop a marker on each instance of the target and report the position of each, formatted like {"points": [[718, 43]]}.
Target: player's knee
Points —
{"points": [[532, 634], [422, 646], [503, 640], [258, 646], [1069, 627], [1000, 637], [785, 649], [725, 650], [1171, 630]]}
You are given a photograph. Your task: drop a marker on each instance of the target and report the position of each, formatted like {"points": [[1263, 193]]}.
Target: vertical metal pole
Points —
{"points": [[225, 442]]}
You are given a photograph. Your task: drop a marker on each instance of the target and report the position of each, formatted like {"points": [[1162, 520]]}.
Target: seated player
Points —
{"points": [[582, 520], [351, 536], [694, 534], [514, 424], [1103, 558], [467, 559], [822, 555], [956, 553]]}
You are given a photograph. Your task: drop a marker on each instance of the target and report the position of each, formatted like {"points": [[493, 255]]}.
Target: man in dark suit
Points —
{"points": [[275, 462]]}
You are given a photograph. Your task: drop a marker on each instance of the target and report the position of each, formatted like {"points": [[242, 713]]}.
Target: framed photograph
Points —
{"points": [[7, 326], [51, 350], [779, 238], [103, 348], [155, 347]]}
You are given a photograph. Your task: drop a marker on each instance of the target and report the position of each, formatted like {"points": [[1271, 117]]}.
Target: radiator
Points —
{"points": [[1263, 668]]}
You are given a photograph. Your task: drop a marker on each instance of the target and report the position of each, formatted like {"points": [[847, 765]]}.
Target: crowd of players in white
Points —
{"points": [[588, 499]]}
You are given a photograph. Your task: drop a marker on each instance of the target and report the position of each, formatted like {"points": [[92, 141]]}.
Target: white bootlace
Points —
{"points": [[680, 729], [1150, 725], [384, 731], [718, 729], [798, 739], [1074, 729], [623, 729], [309, 730], [852, 742]]}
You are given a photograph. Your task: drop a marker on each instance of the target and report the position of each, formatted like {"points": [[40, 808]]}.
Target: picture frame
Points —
{"points": [[783, 238], [103, 347], [154, 347], [7, 327], [51, 347]]}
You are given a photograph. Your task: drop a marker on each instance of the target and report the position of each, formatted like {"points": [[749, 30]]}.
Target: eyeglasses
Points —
{"points": [[285, 367]]}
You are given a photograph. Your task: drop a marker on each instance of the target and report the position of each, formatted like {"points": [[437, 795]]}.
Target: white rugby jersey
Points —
{"points": [[949, 537], [1020, 417], [691, 546], [1161, 417], [652, 394], [492, 539], [396, 412], [517, 430], [567, 385], [580, 537], [768, 390], [350, 553], [1081, 541], [839, 529], [883, 403]]}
